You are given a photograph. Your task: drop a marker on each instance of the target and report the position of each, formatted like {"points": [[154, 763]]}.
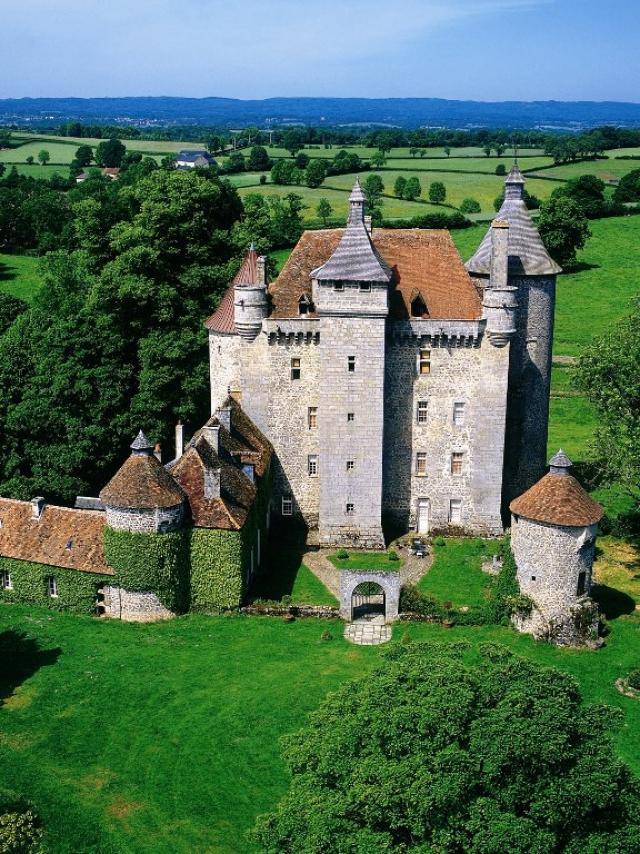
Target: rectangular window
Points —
{"points": [[421, 463], [350, 465], [295, 369], [351, 416], [313, 417], [422, 412], [582, 583], [338, 286], [365, 286], [52, 587], [458, 414], [457, 458], [455, 511], [351, 364], [424, 362], [312, 465], [287, 505], [5, 579], [350, 509]]}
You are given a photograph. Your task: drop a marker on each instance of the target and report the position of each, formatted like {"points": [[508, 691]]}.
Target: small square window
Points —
{"points": [[287, 505], [351, 416], [422, 412], [52, 587], [424, 362], [421, 463], [457, 458], [312, 465], [5, 581], [351, 364], [295, 369], [365, 286], [533, 578], [455, 511], [458, 414], [350, 509], [350, 465], [312, 417], [338, 286]]}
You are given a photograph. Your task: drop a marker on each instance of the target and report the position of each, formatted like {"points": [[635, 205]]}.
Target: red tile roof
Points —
{"points": [[558, 499], [60, 537], [222, 320], [142, 483]]}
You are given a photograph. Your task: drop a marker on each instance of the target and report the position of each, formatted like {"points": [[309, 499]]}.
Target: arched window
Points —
{"points": [[418, 306]]}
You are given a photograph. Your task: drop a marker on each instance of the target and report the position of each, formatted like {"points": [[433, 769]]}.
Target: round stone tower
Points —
{"points": [[532, 272], [553, 535], [250, 304]]}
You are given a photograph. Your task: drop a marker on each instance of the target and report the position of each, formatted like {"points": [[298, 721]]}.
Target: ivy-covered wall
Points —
{"points": [[151, 563], [76, 590], [217, 569]]}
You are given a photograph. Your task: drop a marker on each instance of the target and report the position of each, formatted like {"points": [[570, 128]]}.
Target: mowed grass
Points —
{"points": [[36, 170], [603, 169], [60, 153], [372, 561], [289, 579], [145, 145], [456, 575], [486, 165], [20, 276]]}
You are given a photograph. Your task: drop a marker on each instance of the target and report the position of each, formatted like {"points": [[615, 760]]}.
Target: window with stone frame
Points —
{"points": [[312, 465], [287, 505], [304, 305], [351, 364], [421, 463], [424, 362], [351, 416], [52, 587], [312, 417], [5, 581], [351, 465], [582, 583], [422, 411], [458, 413], [338, 286], [365, 286], [457, 461], [455, 511], [295, 369], [350, 509]]}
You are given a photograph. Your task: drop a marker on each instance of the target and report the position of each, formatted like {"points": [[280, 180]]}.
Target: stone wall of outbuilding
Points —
{"points": [[133, 607], [159, 520], [388, 581]]}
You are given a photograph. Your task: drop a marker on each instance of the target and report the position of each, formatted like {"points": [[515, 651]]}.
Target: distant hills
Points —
{"points": [[278, 112]]}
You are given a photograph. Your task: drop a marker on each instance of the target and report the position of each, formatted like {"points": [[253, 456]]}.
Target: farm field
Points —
{"points": [[603, 169], [35, 170], [144, 145], [438, 152], [60, 153], [19, 276], [486, 165]]}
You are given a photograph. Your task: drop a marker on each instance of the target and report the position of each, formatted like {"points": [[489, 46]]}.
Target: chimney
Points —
{"points": [[261, 270], [212, 435], [37, 507], [212, 483], [157, 452], [499, 254], [179, 440], [368, 223], [224, 417]]}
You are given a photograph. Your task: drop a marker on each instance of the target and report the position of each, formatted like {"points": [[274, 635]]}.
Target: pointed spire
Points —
{"points": [[357, 201], [560, 463], [141, 445], [514, 183]]}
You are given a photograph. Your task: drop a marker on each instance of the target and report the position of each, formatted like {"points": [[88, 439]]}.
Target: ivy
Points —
{"points": [[76, 590], [217, 559], [504, 596]]}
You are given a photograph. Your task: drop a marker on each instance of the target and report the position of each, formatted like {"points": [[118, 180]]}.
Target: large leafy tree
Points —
{"points": [[564, 228], [110, 152], [443, 749]]}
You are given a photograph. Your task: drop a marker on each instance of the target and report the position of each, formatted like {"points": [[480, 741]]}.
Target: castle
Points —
{"points": [[378, 383]]}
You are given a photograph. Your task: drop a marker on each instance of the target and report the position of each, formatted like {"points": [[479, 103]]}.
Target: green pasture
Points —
{"points": [[38, 171], [19, 276], [247, 179], [622, 152], [405, 153], [371, 561], [147, 146], [456, 575], [603, 169], [485, 165], [60, 153]]}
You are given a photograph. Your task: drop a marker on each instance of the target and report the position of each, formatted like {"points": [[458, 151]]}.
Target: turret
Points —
{"points": [[499, 298], [553, 535], [250, 304]]}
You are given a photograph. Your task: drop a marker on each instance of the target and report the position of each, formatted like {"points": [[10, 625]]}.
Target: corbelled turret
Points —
{"points": [[250, 305]]}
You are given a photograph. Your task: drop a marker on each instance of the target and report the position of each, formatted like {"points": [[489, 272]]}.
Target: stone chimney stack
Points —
{"points": [[500, 300], [261, 270], [179, 440], [499, 254], [37, 507], [212, 435], [212, 483], [157, 452], [224, 417]]}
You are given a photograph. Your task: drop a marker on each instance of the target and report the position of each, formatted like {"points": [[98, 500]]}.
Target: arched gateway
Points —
{"points": [[365, 595]]}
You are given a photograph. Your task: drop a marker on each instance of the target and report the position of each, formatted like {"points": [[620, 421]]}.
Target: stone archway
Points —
{"points": [[381, 593]]}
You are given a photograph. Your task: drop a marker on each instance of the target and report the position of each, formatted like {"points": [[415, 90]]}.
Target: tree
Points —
{"points": [[293, 140], [30, 160], [315, 173], [487, 150], [286, 219], [608, 374], [168, 162], [83, 156], [43, 156], [470, 206], [302, 160], [285, 172], [10, 308], [447, 151], [628, 190], [413, 189], [378, 159], [110, 152], [214, 144], [501, 169], [443, 748], [324, 211], [373, 190], [588, 192], [564, 228], [235, 163], [259, 159], [399, 186], [437, 192], [500, 149]]}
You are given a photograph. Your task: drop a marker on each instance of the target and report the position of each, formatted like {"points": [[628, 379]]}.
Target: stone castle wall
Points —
{"points": [[157, 521], [133, 607]]}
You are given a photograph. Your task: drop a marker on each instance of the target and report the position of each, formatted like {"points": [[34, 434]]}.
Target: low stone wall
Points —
{"points": [[320, 612], [133, 607], [575, 626]]}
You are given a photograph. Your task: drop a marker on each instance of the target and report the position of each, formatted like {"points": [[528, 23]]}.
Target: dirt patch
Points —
{"points": [[98, 780], [122, 808], [21, 698]]}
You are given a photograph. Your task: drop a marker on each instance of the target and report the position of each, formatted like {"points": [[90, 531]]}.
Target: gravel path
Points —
{"points": [[323, 570]]}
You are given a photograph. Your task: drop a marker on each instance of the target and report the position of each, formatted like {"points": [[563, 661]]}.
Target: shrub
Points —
{"points": [[501, 169], [326, 635], [633, 680], [414, 601], [406, 637], [439, 541], [263, 179], [504, 593], [342, 554], [393, 554], [470, 206]]}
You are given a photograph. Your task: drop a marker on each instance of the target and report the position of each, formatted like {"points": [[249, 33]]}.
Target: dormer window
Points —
{"points": [[418, 306], [304, 305], [250, 471]]}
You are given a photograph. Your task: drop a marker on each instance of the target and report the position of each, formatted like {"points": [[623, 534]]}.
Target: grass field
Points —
{"points": [[374, 561], [146, 146], [600, 168], [19, 276], [365, 153], [486, 165], [456, 575]]}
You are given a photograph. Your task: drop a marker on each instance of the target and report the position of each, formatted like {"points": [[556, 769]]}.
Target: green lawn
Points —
{"points": [[374, 561], [60, 152], [288, 579], [483, 164], [19, 276], [35, 170], [601, 168], [456, 575]]}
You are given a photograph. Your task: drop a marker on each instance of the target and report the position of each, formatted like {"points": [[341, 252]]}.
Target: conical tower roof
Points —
{"points": [[142, 483], [558, 498], [527, 253], [355, 258]]}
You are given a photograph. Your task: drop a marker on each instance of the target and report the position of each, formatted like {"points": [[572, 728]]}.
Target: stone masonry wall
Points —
{"points": [[121, 604], [474, 374], [158, 520], [225, 366], [388, 581]]}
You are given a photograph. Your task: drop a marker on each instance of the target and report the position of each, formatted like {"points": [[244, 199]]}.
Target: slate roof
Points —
{"points": [[422, 261], [60, 537], [527, 253], [190, 155], [223, 318], [141, 483], [558, 498]]}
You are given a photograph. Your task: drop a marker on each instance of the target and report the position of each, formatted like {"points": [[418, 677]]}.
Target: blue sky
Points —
{"points": [[465, 49]]}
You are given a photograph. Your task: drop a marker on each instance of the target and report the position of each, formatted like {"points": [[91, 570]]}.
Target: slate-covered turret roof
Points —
{"points": [[558, 498], [355, 258], [142, 483], [527, 253], [223, 318]]}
